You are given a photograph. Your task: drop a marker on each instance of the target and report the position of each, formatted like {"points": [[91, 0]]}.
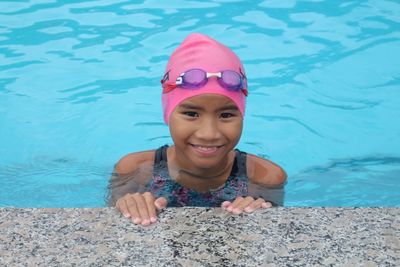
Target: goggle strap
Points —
{"points": [[179, 80], [168, 88]]}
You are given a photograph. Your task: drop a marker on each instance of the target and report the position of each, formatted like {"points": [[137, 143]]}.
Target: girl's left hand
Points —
{"points": [[246, 204]]}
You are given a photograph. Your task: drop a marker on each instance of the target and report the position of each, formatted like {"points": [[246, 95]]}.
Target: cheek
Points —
{"points": [[234, 130], [176, 135], [177, 130], [238, 131]]}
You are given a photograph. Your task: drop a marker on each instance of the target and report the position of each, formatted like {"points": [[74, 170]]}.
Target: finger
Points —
{"points": [[266, 205], [122, 207], [142, 209], [149, 198], [242, 204], [133, 210], [225, 204], [256, 204], [161, 203], [233, 205]]}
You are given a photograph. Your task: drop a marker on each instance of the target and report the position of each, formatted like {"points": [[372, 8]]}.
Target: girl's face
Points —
{"points": [[205, 128]]}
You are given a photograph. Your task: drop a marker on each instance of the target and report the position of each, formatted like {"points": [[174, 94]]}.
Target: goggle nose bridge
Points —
{"points": [[214, 74], [179, 80]]}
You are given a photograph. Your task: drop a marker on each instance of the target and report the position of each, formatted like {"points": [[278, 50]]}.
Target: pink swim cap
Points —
{"points": [[199, 51]]}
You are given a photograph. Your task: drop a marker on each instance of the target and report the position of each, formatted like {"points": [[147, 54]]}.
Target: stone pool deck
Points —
{"points": [[201, 237]]}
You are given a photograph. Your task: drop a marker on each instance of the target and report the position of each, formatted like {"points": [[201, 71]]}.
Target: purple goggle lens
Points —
{"points": [[196, 78]]}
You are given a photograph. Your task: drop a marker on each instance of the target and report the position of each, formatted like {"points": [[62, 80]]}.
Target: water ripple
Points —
{"points": [[84, 68], [356, 164], [94, 90], [283, 118], [20, 64], [149, 124], [59, 182], [5, 82], [345, 107], [362, 181]]}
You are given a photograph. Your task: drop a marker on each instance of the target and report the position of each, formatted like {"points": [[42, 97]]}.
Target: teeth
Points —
{"points": [[204, 148]]}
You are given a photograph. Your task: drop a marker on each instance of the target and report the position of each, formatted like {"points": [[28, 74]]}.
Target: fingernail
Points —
{"points": [[153, 219], [145, 222], [127, 215], [230, 208], [137, 220], [248, 209], [236, 211], [266, 205]]}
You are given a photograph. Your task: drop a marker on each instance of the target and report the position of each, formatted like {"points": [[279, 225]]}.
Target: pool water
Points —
{"points": [[79, 88]]}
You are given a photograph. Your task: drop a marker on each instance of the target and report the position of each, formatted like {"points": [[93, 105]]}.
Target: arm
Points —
{"points": [[267, 180], [266, 186], [127, 188], [130, 175]]}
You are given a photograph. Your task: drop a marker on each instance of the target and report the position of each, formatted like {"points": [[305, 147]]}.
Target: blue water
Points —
{"points": [[79, 88]]}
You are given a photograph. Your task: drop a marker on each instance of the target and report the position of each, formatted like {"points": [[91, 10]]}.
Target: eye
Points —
{"points": [[191, 114], [227, 115]]}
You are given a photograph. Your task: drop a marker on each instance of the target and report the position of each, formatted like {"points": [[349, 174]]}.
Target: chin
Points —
{"points": [[206, 163]]}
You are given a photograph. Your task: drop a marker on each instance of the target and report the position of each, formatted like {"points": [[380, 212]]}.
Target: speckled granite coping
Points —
{"points": [[201, 237]]}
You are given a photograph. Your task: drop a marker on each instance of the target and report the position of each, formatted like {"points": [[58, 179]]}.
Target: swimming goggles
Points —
{"points": [[197, 78]]}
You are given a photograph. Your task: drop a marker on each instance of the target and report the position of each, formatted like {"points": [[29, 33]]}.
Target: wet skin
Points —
{"points": [[205, 130]]}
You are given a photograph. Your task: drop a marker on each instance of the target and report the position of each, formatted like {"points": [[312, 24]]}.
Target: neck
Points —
{"points": [[199, 178]]}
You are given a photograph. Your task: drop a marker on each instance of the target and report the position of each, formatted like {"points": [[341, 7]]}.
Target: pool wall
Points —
{"points": [[201, 236]]}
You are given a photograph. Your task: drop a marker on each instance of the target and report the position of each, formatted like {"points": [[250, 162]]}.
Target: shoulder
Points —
{"points": [[131, 162], [264, 172]]}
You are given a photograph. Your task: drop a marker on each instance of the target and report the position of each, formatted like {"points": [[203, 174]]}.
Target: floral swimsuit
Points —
{"points": [[179, 196]]}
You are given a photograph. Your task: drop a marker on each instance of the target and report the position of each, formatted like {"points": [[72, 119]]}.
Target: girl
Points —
{"points": [[203, 98]]}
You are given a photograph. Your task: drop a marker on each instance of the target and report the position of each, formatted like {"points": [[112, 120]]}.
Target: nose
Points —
{"points": [[208, 130]]}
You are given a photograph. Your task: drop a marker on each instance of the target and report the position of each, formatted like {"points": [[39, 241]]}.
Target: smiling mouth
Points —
{"points": [[205, 150]]}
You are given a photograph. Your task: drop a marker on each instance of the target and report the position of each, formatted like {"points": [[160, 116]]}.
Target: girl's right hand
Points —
{"points": [[141, 207]]}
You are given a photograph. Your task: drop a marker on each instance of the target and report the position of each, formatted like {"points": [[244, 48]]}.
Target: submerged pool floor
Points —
{"points": [[80, 88]]}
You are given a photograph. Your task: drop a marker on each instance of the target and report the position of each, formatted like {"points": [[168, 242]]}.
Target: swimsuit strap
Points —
{"points": [[239, 168], [160, 159]]}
